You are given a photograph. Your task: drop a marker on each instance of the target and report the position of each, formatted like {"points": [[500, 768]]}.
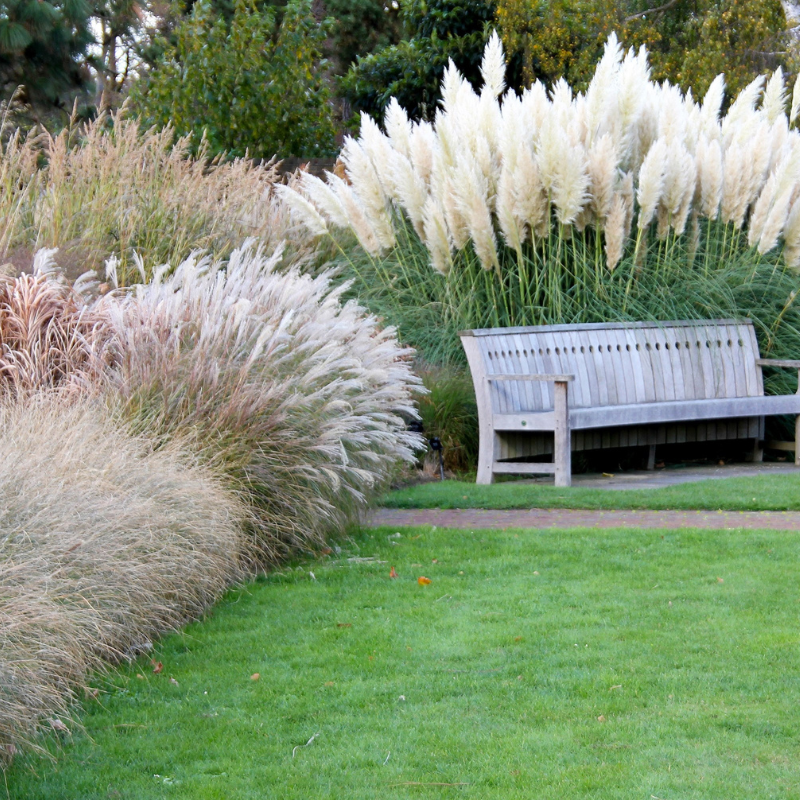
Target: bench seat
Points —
{"points": [[556, 379], [651, 413]]}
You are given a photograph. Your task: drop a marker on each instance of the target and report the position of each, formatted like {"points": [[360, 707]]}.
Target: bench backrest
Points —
{"points": [[617, 363]]}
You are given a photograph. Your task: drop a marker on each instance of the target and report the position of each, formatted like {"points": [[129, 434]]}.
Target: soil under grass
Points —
{"points": [[760, 493], [573, 664]]}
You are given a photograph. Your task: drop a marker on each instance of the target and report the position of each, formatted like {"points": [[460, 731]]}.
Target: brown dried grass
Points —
{"points": [[109, 187], [104, 544]]}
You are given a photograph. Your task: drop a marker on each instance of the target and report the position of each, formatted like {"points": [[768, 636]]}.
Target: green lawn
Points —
{"points": [[761, 493], [573, 664]]}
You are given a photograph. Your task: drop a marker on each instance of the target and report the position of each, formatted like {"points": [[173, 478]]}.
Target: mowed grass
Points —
{"points": [[572, 664], [760, 493]]}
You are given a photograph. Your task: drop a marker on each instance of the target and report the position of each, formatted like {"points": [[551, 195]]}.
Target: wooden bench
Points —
{"points": [[559, 388]]}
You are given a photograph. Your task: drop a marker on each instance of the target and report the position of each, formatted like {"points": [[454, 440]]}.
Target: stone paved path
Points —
{"points": [[578, 518]]}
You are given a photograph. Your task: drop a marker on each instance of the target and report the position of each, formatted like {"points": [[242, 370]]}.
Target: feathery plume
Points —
{"points": [[493, 66], [302, 210], [435, 236], [774, 102], [709, 167], [795, 101], [651, 182], [615, 231]]}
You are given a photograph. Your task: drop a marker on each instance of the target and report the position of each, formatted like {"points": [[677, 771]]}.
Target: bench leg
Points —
{"points": [[797, 441], [651, 456], [485, 456], [562, 445], [758, 451]]}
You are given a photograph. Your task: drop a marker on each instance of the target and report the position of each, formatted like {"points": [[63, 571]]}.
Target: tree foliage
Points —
{"points": [[411, 71], [249, 87], [42, 45], [689, 41]]}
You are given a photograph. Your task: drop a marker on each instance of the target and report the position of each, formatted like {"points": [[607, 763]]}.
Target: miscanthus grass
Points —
{"points": [[110, 188]]}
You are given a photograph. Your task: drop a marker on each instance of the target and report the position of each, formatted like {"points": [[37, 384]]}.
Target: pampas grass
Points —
{"points": [[104, 544], [684, 160]]}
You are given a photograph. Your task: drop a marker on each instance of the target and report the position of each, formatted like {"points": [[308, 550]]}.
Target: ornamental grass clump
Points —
{"points": [[627, 159], [629, 200], [105, 543], [50, 336], [110, 188], [301, 399]]}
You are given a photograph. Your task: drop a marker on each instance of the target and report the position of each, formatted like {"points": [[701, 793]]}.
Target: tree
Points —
{"points": [[411, 71], [43, 45], [248, 87], [689, 41]]}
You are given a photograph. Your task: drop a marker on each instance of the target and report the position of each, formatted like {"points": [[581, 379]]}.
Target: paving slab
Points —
{"points": [[673, 475], [579, 518]]}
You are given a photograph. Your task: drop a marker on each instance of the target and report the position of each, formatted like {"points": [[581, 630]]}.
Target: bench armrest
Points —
{"points": [[550, 378], [777, 362]]}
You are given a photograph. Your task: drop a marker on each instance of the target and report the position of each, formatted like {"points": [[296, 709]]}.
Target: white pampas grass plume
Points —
{"points": [[570, 184], [774, 103], [743, 108], [758, 217], [451, 83], [712, 104], [302, 210], [473, 204], [709, 167], [505, 203], [358, 219], [651, 182], [615, 231], [775, 222], [435, 236], [493, 66], [421, 148], [410, 188], [531, 201], [456, 222], [791, 236], [795, 101], [367, 186], [733, 184], [602, 167], [398, 127], [325, 199]]}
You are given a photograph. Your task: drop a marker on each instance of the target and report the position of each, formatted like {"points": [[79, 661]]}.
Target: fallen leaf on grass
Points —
{"points": [[344, 624], [174, 682], [330, 683], [157, 666], [434, 561], [57, 725], [89, 692], [601, 718], [255, 676], [720, 580], [140, 676], [517, 638], [392, 573], [423, 581]]}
